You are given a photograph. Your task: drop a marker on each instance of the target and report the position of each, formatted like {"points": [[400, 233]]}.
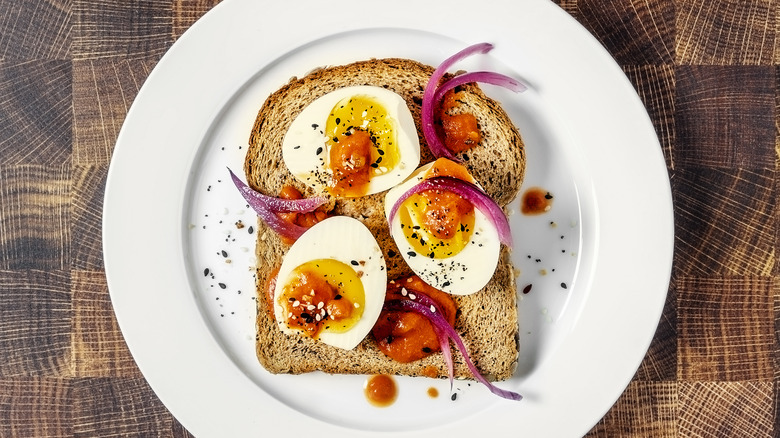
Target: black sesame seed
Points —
{"points": [[527, 289], [223, 285], [563, 285], [206, 272]]}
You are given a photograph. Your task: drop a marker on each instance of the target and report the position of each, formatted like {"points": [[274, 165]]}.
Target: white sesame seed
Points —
{"points": [[433, 309], [310, 307], [412, 297], [318, 317], [320, 305], [404, 292], [296, 303], [357, 305]]}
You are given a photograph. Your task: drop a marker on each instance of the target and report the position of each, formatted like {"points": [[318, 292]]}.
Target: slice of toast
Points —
{"points": [[486, 320]]}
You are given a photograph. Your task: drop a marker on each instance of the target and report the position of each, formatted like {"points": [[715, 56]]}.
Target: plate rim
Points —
{"points": [[185, 48]]}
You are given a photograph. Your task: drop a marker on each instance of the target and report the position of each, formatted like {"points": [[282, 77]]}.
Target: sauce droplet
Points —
{"points": [[536, 201], [433, 392], [380, 390]]}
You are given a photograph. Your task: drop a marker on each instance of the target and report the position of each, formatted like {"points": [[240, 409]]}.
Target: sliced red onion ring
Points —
{"points": [[485, 77], [444, 340], [438, 149], [467, 191], [278, 205], [438, 321], [267, 206]]}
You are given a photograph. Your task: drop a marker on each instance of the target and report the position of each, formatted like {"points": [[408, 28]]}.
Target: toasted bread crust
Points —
{"points": [[487, 320]]}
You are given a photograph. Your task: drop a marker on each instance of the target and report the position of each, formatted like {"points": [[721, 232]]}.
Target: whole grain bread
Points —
{"points": [[486, 320]]}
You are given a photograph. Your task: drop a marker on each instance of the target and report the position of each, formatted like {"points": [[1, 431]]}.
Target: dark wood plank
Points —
{"points": [[660, 362], [120, 407], [99, 350], [725, 116], [725, 409], [86, 210], [35, 112], [103, 91], [725, 32], [35, 315], [35, 29], [187, 12], [725, 222], [726, 329], [655, 85], [108, 28], [634, 32], [34, 217], [35, 407], [644, 410]]}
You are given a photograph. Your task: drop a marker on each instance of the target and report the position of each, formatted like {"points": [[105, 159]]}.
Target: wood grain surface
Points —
{"points": [[707, 71]]}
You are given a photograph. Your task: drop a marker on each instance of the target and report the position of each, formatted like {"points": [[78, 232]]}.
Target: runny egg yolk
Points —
{"points": [[322, 295], [438, 224], [362, 144]]}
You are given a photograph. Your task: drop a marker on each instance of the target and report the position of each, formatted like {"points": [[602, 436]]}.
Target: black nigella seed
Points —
{"points": [[224, 253], [223, 285], [563, 285], [453, 396], [251, 230], [411, 254], [354, 263]]}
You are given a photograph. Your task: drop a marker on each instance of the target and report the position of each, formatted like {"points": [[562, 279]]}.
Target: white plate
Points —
{"points": [[170, 211]]}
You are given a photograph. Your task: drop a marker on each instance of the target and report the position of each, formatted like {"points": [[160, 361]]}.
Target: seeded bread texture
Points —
{"points": [[486, 320]]}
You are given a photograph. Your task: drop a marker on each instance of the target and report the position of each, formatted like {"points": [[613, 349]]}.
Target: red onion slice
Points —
{"points": [[267, 206], [438, 149], [485, 77], [467, 191], [278, 205], [438, 321]]}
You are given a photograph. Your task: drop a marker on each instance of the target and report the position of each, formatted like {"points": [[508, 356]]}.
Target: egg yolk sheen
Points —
{"points": [[437, 223], [322, 295], [362, 144]]}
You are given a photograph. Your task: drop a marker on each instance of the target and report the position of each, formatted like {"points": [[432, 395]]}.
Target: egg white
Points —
{"points": [[343, 239], [304, 147], [461, 274]]}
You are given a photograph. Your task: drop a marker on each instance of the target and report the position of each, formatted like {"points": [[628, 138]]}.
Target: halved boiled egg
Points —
{"points": [[447, 242], [331, 284], [354, 141]]}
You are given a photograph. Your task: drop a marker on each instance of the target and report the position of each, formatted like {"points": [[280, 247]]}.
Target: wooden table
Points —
{"points": [[706, 70]]}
